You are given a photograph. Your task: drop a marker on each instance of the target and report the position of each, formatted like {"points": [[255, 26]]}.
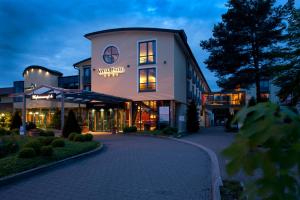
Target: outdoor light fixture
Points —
{"points": [[47, 73], [40, 71], [30, 113]]}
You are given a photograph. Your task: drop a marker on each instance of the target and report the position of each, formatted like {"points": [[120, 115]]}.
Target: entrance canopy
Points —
{"points": [[46, 92]]}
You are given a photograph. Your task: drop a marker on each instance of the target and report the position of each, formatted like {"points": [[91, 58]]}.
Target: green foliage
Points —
{"points": [[244, 44], [8, 145], [269, 141], [58, 143], [72, 136], [47, 151], [169, 131], [129, 129], [71, 125], [27, 152], [46, 140], [47, 133], [35, 144], [192, 119], [4, 131], [16, 121], [88, 137], [79, 138]]}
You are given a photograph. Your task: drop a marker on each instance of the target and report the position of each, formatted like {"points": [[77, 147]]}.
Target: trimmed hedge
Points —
{"points": [[58, 143], [72, 136], [130, 129], [7, 147], [27, 152], [47, 133], [4, 131], [169, 131], [47, 151], [79, 138], [46, 140], [88, 137], [35, 144]]}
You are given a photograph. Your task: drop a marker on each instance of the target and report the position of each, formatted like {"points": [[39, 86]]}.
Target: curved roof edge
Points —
{"points": [[54, 72], [134, 29]]}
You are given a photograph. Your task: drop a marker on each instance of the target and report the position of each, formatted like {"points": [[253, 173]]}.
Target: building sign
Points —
{"points": [[43, 96], [111, 71], [164, 114]]}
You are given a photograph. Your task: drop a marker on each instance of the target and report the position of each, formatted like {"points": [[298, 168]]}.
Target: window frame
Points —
{"points": [[147, 81], [147, 55]]}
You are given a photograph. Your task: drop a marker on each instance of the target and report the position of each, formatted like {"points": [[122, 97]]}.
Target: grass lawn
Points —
{"points": [[12, 164]]}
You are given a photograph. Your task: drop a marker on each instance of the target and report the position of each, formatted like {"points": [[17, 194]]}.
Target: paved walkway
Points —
{"points": [[216, 139], [130, 167]]}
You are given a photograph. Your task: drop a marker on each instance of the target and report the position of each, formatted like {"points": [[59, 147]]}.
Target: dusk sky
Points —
{"points": [[50, 33]]}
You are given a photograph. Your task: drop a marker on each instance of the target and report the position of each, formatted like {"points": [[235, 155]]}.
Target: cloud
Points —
{"points": [[51, 34]]}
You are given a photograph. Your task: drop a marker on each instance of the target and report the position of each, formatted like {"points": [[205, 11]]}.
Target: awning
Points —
{"points": [[71, 95]]}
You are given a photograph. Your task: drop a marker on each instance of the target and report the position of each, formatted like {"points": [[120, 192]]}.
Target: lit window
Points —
{"points": [[147, 80], [147, 52]]}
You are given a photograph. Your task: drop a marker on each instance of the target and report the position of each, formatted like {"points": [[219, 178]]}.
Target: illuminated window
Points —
{"points": [[147, 52], [147, 80], [111, 55]]}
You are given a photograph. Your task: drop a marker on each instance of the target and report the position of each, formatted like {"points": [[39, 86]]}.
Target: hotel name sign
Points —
{"points": [[43, 96], [111, 71]]}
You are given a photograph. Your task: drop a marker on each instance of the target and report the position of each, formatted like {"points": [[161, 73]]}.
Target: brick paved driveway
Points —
{"points": [[130, 167]]}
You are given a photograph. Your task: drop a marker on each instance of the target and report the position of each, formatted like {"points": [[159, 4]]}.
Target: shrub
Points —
{"points": [[47, 151], [71, 125], [15, 131], [79, 138], [30, 125], [169, 131], [130, 129], [58, 143], [27, 152], [88, 137], [35, 144], [16, 121], [4, 131], [72, 136], [47, 133], [8, 144], [46, 140], [268, 141]]}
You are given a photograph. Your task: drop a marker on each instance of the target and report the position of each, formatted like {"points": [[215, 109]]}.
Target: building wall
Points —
{"points": [[273, 90], [39, 77], [126, 84], [180, 69]]}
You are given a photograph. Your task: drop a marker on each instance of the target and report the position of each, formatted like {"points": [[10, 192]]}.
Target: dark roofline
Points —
{"points": [[180, 32], [84, 60], [6, 90], [133, 29], [54, 72]]}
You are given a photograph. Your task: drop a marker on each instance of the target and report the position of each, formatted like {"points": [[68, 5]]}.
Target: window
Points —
{"points": [[147, 80], [147, 52], [111, 55]]}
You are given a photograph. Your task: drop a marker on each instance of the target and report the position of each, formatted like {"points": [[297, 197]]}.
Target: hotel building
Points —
{"points": [[135, 76]]}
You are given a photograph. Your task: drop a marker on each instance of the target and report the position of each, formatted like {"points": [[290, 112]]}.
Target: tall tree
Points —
{"points": [[288, 77], [243, 44]]}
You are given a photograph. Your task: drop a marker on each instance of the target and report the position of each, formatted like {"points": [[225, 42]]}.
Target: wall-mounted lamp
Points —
{"points": [[165, 62]]}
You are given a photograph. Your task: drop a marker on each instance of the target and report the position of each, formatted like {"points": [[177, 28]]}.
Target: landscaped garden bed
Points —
{"points": [[20, 153]]}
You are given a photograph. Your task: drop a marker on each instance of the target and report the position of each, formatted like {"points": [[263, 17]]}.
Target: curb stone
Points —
{"points": [[28, 173], [216, 175]]}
